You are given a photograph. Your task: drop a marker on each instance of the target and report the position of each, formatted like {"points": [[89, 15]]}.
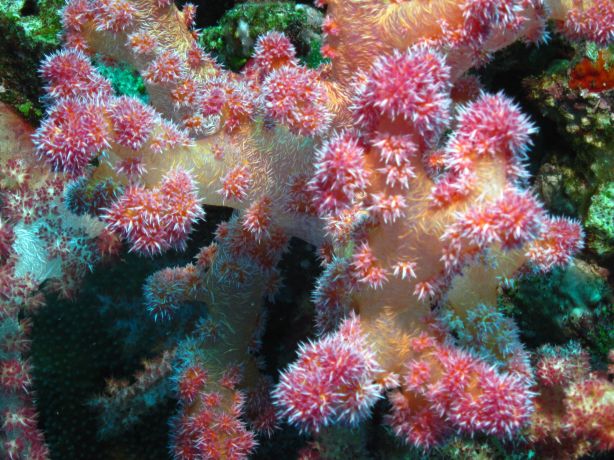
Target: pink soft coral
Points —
{"points": [[156, 220]]}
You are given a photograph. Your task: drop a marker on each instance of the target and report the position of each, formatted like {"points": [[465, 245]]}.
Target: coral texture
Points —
{"points": [[410, 181]]}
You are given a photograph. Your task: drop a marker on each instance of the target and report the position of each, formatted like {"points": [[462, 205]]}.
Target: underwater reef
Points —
{"points": [[367, 229]]}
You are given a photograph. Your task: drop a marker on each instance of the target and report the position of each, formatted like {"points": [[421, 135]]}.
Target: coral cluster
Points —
{"points": [[39, 241], [572, 403], [409, 179]]}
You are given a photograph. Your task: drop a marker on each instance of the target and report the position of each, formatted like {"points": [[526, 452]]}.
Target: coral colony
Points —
{"points": [[408, 178]]}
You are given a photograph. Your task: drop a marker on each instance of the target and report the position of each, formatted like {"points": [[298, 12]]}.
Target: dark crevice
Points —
{"points": [[29, 8], [208, 12]]}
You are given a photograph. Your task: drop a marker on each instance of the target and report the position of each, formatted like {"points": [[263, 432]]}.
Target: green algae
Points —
{"points": [[232, 40], [30, 29], [125, 80], [600, 220]]}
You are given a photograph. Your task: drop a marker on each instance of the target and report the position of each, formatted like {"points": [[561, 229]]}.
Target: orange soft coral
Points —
{"points": [[417, 202]]}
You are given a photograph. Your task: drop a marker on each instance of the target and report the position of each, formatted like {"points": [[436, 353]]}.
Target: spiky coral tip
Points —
{"points": [[340, 371]]}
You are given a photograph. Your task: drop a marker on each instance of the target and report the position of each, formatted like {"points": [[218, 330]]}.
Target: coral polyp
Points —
{"points": [[389, 160]]}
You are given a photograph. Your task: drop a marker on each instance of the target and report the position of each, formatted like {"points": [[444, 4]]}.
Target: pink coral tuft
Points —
{"points": [[167, 68], [257, 218], [340, 173], [114, 15], [448, 389], [191, 383], [72, 135], [492, 125], [592, 21], [156, 220], [413, 85], [294, 97], [332, 381], [558, 241], [69, 73], [132, 122], [15, 375], [236, 183], [141, 42], [75, 14], [272, 51]]}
